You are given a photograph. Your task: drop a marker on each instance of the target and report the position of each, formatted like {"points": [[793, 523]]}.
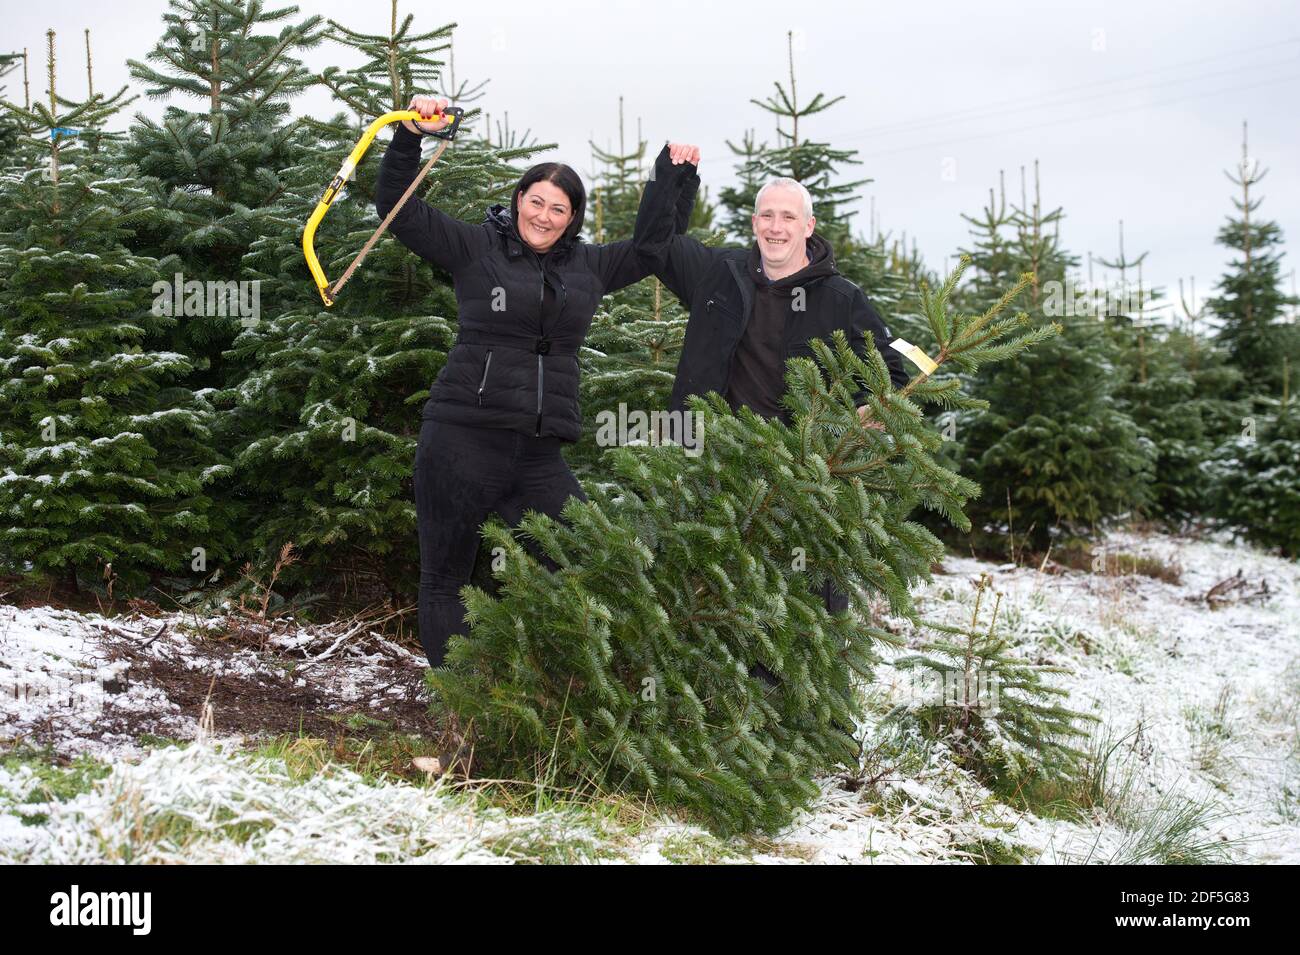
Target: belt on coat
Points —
{"points": [[528, 343]]}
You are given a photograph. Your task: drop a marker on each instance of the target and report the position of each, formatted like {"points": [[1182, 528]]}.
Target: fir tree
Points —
{"points": [[630, 665], [212, 166], [908, 273], [629, 359], [1251, 303], [816, 165], [992, 707], [1053, 452], [10, 129], [1257, 475], [1172, 385], [1210, 366], [615, 193], [106, 452], [1163, 396]]}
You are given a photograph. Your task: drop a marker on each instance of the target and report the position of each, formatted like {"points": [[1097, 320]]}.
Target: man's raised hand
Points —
{"points": [[684, 152]]}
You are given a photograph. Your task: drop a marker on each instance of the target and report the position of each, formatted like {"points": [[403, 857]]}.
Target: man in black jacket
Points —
{"points": [[752, 309]]}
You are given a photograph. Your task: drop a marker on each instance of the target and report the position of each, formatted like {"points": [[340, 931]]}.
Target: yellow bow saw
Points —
{"points": [[328, 292]]}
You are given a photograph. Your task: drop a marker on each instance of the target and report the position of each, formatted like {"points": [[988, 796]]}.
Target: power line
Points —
{"points": [[1037, 101], [1074, 101], [1079, 119]]}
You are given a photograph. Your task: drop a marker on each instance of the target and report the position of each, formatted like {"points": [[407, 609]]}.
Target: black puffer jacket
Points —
{"points": [[521, 316], [714, 284]]}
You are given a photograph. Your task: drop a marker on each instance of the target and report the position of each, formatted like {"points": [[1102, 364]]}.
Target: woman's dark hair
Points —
{"points": [[568, 181]]}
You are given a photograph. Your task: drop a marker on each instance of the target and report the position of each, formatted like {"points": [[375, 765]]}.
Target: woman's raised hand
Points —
{"points": [[427, 106], [683, 152]]}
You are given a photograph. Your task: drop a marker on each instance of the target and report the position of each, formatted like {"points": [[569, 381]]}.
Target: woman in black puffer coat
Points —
{"points": [[507, 399]]}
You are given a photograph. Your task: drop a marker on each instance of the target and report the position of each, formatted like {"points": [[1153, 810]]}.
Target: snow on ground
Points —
{"points": [[1205, 704], [1209, 701], [58, 681], [205, 804], [87, 684]]}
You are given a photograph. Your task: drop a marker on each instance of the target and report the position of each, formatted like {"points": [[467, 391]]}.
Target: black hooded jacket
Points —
{"points": [[716, 287], [521, 316], [757, 379]]}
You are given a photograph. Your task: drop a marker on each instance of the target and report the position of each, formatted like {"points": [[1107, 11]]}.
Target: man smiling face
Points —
{"points": [[782, 222]]}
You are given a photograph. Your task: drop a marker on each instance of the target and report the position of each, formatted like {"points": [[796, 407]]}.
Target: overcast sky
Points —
{"points": [[1132, 109]]}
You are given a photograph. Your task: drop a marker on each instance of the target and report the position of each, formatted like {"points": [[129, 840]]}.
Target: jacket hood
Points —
{"points": [[821, 264]]}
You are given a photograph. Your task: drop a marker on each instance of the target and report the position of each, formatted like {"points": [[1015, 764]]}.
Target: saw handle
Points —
{"points": [[453, 113], [328, 291]]}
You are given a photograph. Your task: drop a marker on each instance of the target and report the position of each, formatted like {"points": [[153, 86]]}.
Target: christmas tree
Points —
{"points": [[211, 167], [630, 665], [10, 129], [817, 166], [996, 710], [615, 192], [629, 360], [106, 451], [1254, 468], [1256, 476], [1174, 385], [1251, 303], [1054, 451]]}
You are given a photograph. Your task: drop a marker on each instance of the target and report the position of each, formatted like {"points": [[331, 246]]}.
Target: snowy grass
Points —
{"points": [[207, 803], [1196, 758]]}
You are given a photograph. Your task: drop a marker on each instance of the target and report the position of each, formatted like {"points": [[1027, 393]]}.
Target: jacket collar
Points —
{"points": [[821, 264], [500, 218]]}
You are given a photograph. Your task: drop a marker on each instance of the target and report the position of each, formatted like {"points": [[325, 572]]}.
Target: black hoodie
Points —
{"points": [[717, 286], [758, 369]]}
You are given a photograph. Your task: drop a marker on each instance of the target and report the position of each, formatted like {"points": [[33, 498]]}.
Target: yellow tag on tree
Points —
{"points": [[918, 358]]}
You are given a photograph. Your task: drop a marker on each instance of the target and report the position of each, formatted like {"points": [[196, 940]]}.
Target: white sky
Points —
{"points": [[1132, 109]]}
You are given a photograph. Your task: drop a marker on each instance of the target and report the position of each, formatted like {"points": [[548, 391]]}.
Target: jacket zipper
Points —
{"points": [[541, 333], [561, 298], [482, 384], [538, 431]]}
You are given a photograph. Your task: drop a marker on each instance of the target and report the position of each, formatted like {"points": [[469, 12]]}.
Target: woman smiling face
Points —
{"points": [[544, 213]]}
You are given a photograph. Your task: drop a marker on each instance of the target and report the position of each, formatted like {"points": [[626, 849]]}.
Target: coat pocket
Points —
{"points": [[487, 365], [723, 310]]}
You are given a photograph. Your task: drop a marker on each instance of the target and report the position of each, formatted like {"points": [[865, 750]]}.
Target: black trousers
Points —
{"points": [[835, 601], [462, 475]]}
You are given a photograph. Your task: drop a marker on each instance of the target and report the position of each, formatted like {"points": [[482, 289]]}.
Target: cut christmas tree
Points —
{"points": [[630, 666]]}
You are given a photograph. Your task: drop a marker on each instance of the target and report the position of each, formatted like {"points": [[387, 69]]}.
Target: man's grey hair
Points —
{"points": [[789, 184]]}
